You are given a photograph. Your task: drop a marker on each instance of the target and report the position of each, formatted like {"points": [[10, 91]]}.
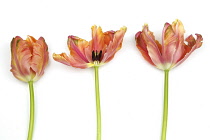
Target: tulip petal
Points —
{"points": [[97, 42], [179, 31], [190, 47], [70, 61], [77, 48], [31, 39], [40, 57], [141, 45], [21, 58], [115, 43], [62, 58], [78, 64], [169, 44], [153, 49]]}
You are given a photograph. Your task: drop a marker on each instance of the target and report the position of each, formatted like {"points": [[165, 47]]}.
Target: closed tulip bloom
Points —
{"points": [[100, 50], [173, 50], [29, 58]]}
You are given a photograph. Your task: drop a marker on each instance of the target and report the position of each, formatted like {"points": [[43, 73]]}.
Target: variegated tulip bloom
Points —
{"points": [[100, 50], [29, 58], [170, 54], [173, 50]]}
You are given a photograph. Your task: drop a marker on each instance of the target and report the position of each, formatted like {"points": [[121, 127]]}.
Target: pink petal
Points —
{"points": [[21, 59], [97, 42], [77, 50], [40, 57], [62, 58], [192, 45], [114, 44], [169, 44], [70, 61], [141, 45], [152, 47], [179, 32]]}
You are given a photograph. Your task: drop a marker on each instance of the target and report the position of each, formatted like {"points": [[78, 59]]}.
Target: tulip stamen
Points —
{"points": [[96, 57]]}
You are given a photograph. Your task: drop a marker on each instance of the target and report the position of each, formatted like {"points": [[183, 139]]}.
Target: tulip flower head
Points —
{"points": [[29, 58], [100, 50], [173, 50]]}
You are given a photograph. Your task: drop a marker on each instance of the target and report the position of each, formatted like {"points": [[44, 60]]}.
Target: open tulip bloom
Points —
{"points": [[29, 59], [100, 50], [170, 54]]}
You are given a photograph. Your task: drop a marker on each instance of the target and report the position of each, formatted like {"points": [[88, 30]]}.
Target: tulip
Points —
{"points": [[100, 50], [29, 59], [170, 54]]}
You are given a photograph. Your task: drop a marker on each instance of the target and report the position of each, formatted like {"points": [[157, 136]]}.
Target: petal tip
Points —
{"points": [[124, 28]]}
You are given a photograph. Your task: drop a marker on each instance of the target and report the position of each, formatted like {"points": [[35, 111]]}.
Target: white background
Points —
{"points": [[131, 89]]}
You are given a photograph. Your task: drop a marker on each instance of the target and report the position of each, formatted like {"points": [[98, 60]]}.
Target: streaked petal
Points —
{"points": [[31, 39], [169, 44], [178, 28], [16, 69], [152, 47], [141, 45], [78, 64], [21, 59], [77, 48], [97, 42], [70, 61], [40, 57], [190, 47], [179, 32], [114, 45], [62, 58]]}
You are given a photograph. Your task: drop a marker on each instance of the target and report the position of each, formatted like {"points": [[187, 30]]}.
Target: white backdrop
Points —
{"points": [[131, 89]]}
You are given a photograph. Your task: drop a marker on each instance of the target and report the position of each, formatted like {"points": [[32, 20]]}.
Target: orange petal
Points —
{"points": [[21, 59], [152, 47], [179, 33], [40, 57], [31, 39], [115, 43], [141, 45], [97, 42], [62, 58], [169, 44], [190, 47], [77, 48], [70, 61], [78, 64]]}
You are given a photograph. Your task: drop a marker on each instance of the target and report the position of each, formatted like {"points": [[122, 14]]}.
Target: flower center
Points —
{"points": [[96, 56]]}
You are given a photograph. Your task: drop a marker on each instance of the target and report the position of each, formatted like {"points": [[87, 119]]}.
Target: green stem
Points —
{"points": [[31, 122], [165, 108], [98, 108]]}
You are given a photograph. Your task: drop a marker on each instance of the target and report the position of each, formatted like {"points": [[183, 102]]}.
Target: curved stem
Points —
{"points": [[98, 108], [165, 107], [31, 122]]}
